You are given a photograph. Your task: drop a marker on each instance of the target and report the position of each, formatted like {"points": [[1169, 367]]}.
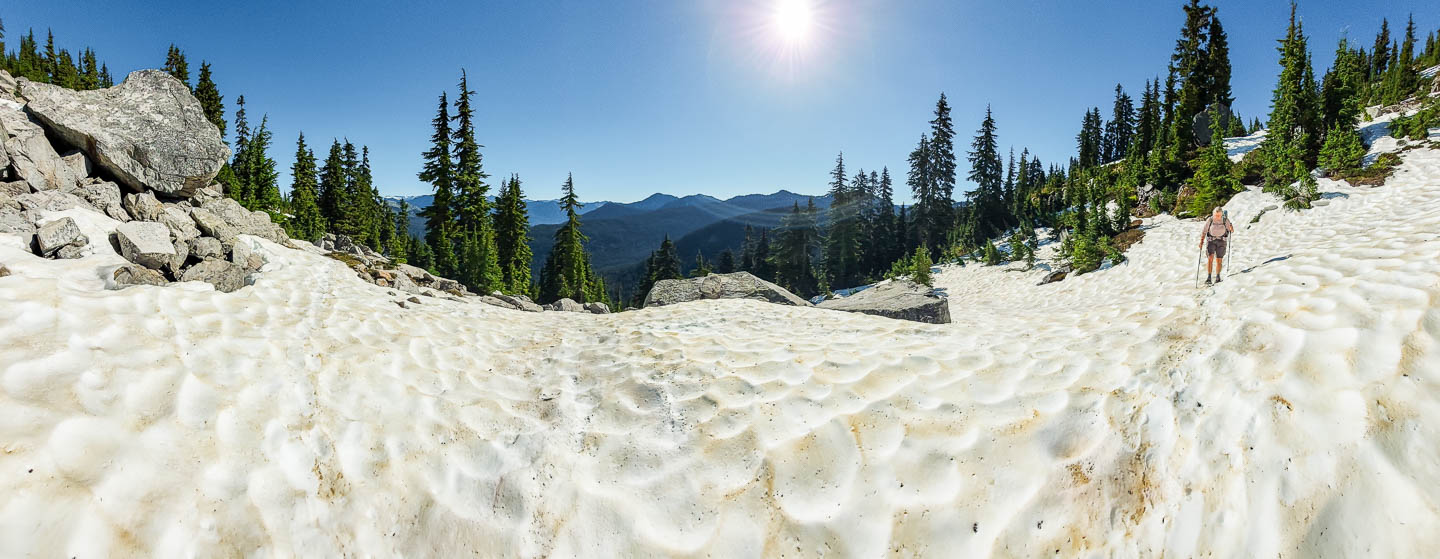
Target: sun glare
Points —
{"points": [[793, 20]]}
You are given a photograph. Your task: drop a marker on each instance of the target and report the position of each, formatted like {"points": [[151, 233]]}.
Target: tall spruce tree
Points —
{"points": [[1192, 72], [439, 171], [211, 102], [260, 171], [235, 176], [307, 222], [794, 251], [332, 185], [471, 206], [1218, 63], [1380, 52], [842, 244], [512, 237], [1121, 127]]}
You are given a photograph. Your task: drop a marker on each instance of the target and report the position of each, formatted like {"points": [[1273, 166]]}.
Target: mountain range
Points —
{"points": [[623, 234]]}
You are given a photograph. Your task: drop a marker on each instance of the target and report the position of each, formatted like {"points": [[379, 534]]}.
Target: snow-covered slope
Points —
{"points": [[1292, 410]]}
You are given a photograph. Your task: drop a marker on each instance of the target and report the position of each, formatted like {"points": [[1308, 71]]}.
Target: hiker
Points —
{"points": [[1216, 232]]}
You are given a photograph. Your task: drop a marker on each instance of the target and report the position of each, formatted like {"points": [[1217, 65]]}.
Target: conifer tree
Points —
{"points": [[1290, 149], [726, 263], [262, 175], [1380, 53], [794, 260], [842, 244], [332, 185], [764, 264], [747, 250], [400, 251], [211, 102], [512, 237], [1218, 63], [1214, 185], [439, 171], [66, 74], [1343, 149], [307, 222], [1120, 128], [702, 266], [105, 79], [567, 270], [887, 236], [1192, 72], [51, 70], [1342, 88], [471, 206], [89, 71], [1088, 140], [237, 180], [176, 66], [989, 208]]}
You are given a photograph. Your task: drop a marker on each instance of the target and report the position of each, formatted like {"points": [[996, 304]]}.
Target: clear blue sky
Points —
{"points": [[683, 97]]}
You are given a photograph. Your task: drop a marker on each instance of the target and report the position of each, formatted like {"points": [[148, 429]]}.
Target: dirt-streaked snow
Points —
{"points": [[1292, 410]]}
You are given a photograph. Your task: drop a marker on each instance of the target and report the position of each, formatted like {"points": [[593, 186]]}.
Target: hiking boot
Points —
{"points": [[1217, 279], [1208, 281]]}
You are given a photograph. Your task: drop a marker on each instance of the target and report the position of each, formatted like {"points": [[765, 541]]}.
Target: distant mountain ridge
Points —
{"points": [[541, 211]]}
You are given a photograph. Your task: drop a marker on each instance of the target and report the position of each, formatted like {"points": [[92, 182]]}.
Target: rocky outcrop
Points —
{"points": [[104, 196], [245, 222], [738, 285], [899, 299], [597, 308], [148, 132], [146, 243]]}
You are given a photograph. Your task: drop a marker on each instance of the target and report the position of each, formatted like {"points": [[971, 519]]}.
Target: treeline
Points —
{"points": [[1166, 155], [486, 246], [81, 70]]}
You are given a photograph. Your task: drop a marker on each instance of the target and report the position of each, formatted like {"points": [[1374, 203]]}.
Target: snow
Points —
{"points": [[1237, 147], [1291, 410], [1429, 72]]}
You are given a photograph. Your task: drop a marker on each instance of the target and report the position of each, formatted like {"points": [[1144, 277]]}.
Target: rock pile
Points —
{"points": [[140, 153], [738, 285]]}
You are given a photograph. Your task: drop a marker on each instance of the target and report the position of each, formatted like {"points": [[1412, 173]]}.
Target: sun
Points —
{"points": [[793, 19]]}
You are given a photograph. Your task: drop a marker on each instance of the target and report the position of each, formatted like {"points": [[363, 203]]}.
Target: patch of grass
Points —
{"points": [[348, 259], [1373, 175]]}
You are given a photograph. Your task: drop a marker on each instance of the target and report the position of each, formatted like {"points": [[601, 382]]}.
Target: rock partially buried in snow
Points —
{"points": [[149, 132], [738, 285], [212, 225], [597, 308], [206, 247], [565, 305], [53, 236], [900, 299], [225, 276], [146, 243], [131, 274], [519, 301], [246, 222]]}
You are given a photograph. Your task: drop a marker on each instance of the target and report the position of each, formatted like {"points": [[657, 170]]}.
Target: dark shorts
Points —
{"points": [[1216, 248]]}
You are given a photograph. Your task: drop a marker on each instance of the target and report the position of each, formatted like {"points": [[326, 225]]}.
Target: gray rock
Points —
{"points": [[343, 243], [205, 247], [7, 86], [212, 225], [132, 274], [79, 164], [417, 274], [30, 154], [496, 301], [1053, 277], [209, 193], [565, 305], [245, 221], [900, 299], [146, 243], [244, 255], [182, 255], [449, 286], [14, 188], [738, 285], [181, 226], [143, 206], [16, 222], [73, 250], [519, 301], [597, 308], [404, 283], [53, 201], [55, 235], [105, 196], [225, 276], [148, 132], [3, 270]]}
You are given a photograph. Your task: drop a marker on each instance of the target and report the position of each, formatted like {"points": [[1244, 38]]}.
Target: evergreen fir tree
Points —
{"points": [[400, 251], [842, 244], [887, 235], [1214, 185], [1088, 140], [794, 260], [567, 269], [471, 206], [989, 207], [726, 263], [261, 173], [702, 267], [1218, 63], [66, 74], [1121, 127], [105, 79], [764, 264], [1192, 72], [1290, 149], [239, 176], [51, 70], [1343, 149], [307, 223], [176, 66], [332, 185], [211, 102], [935, 209], [512, 237], [439, 172], [747, 250], [1380, 53]]}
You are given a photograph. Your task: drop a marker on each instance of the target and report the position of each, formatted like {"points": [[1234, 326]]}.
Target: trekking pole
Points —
{"points": [[1233, 255], [1197, 265]]}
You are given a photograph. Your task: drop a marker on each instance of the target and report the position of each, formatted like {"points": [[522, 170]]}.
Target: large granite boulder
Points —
{"points": [[738, 285], [518, 301], [205, 247], [53, 201], [902, 299], [143, 206], [58, 234], [146, 243], [214, 226], [225, 276], [29, 153], [597, 308], [148, 132], [246, 222]]}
